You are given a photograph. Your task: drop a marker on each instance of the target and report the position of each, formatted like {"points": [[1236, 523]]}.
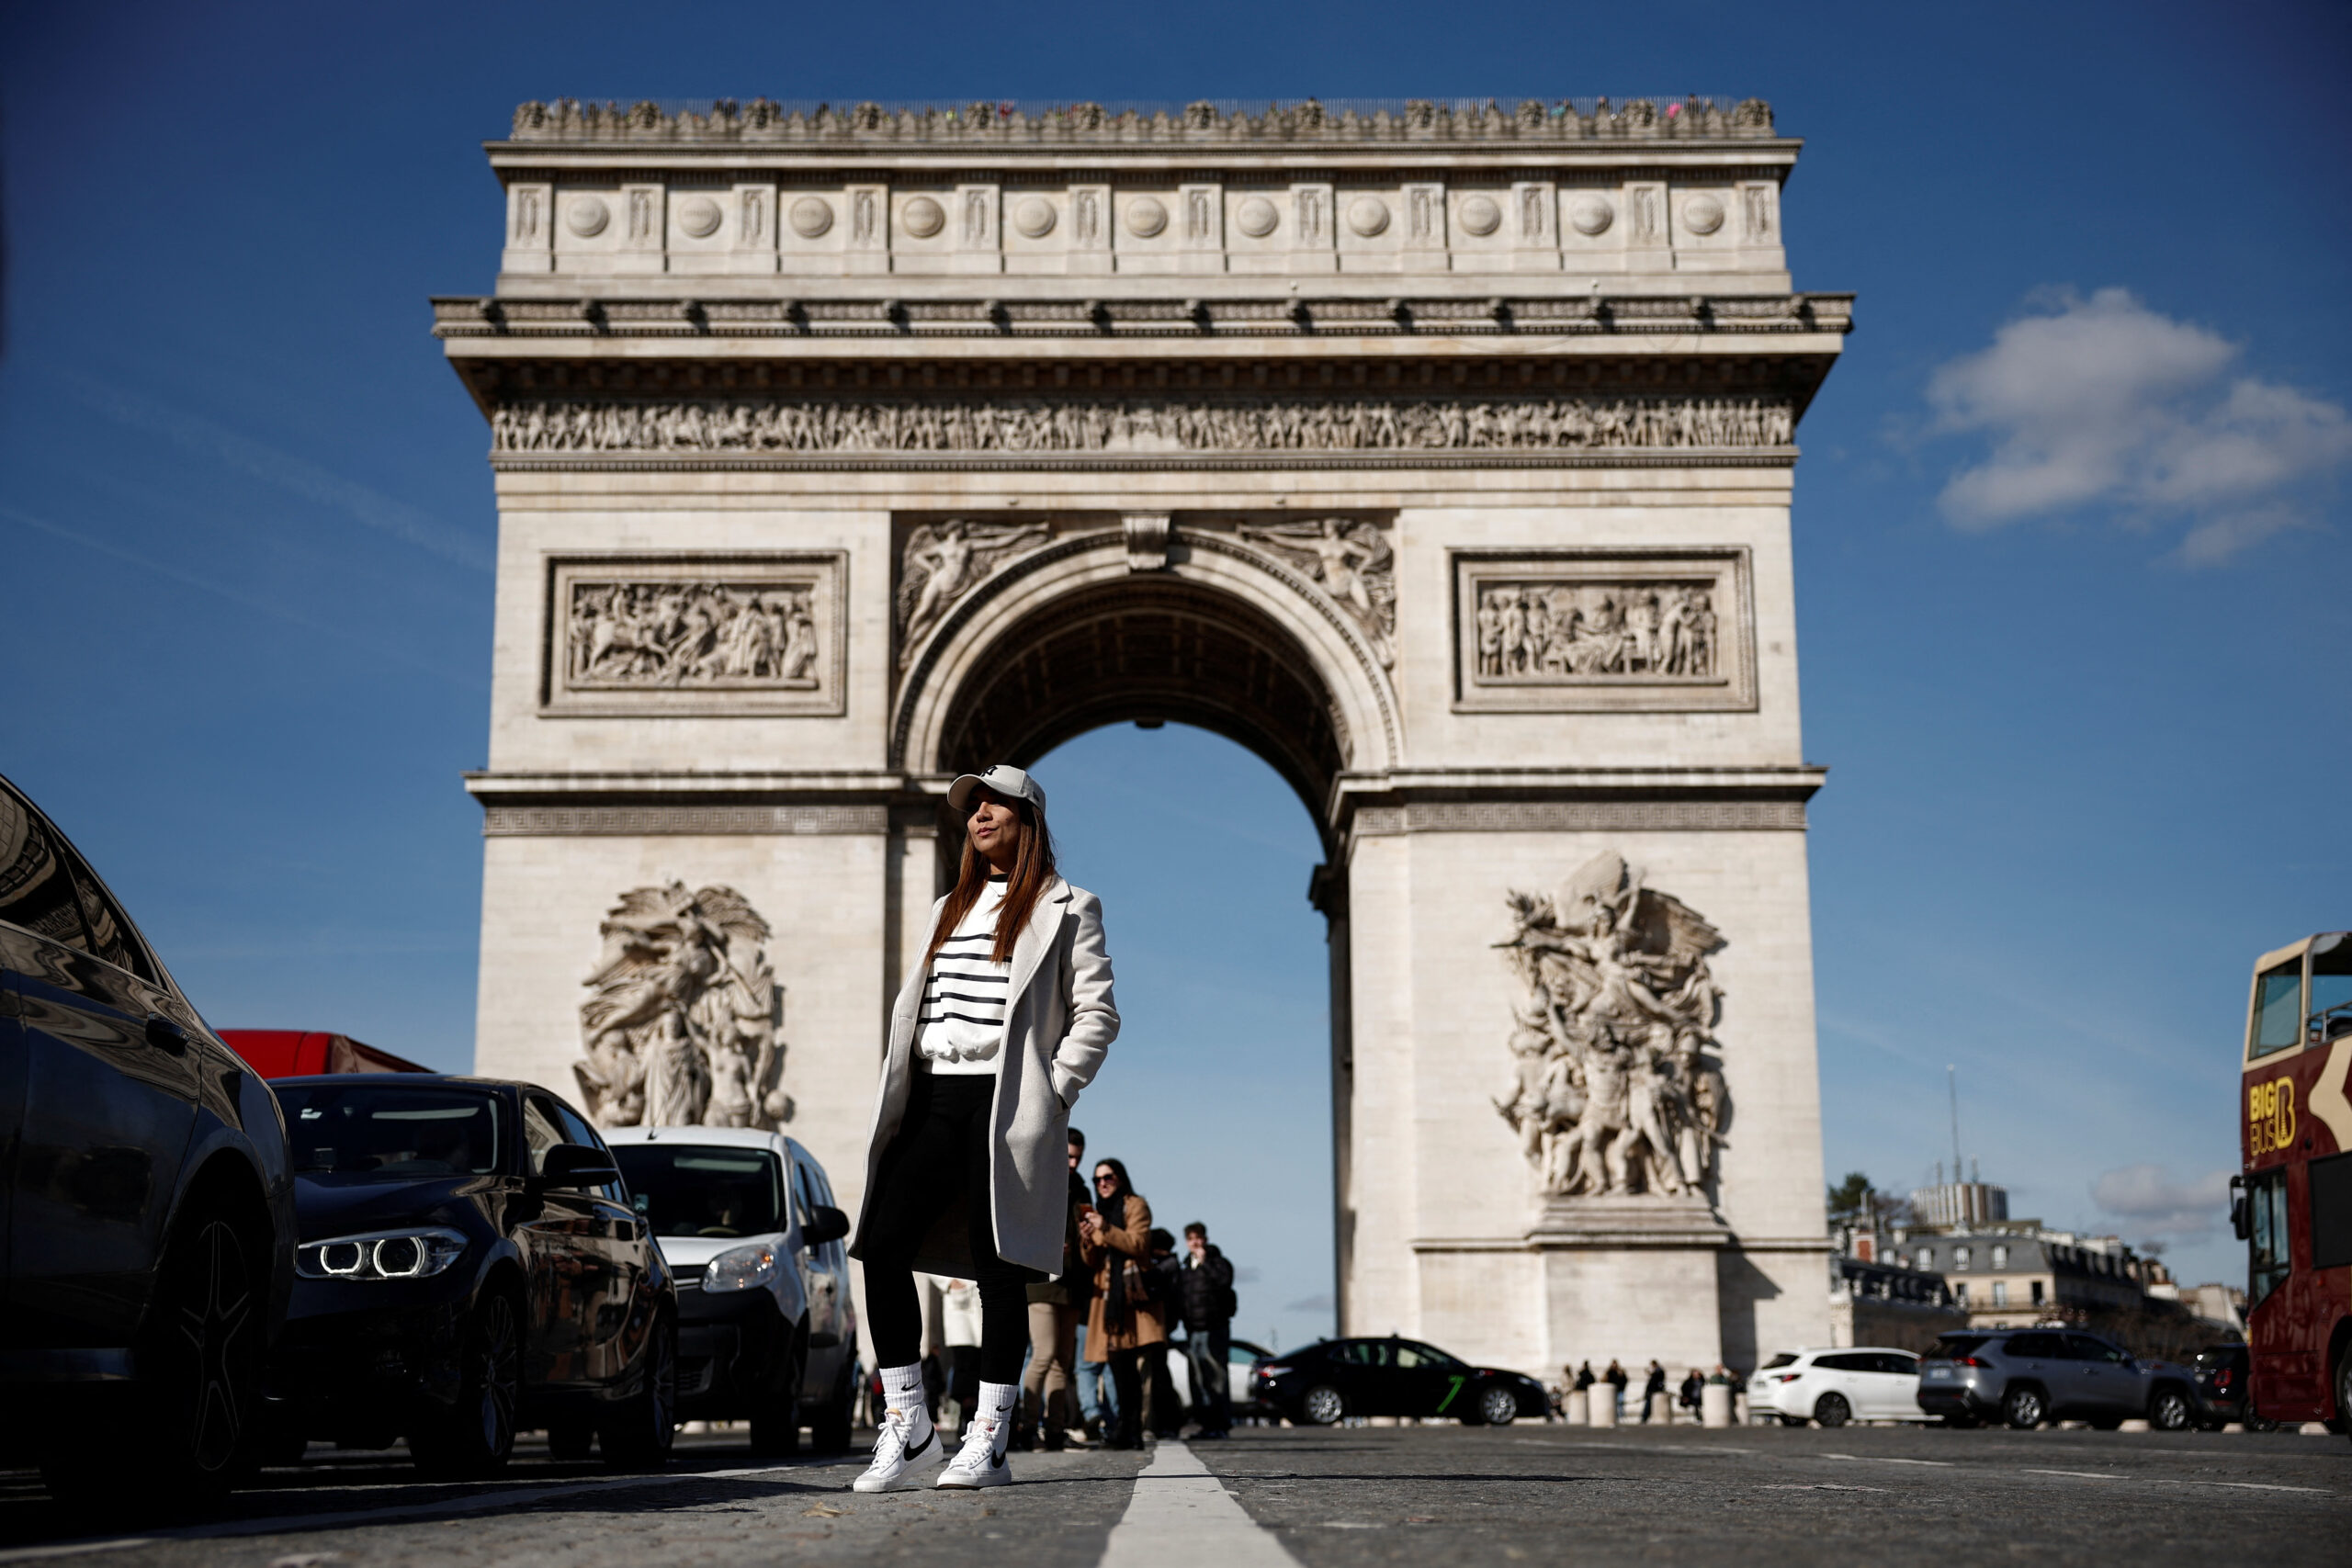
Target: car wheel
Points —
{"points": [[475, 1435], [1499, 1406], [1831, 1410], [198, 1408], [640, 1429], [2025, 1408], [828, 1429], [2256, 1424], [1323, 1406], [572, 1440], [775, 1421], [2344, 1390], [2168, 1410]]}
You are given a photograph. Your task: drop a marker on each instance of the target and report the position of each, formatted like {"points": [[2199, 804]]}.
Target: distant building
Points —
{"points": [[1889, 1304], [1952, 1205]]}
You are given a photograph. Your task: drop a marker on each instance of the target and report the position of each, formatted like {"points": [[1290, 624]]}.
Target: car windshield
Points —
{"points": [[391, 1132], [706, 1189]]}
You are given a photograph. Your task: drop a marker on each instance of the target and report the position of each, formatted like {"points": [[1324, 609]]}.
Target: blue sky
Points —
{"points": [[2071, 533]]}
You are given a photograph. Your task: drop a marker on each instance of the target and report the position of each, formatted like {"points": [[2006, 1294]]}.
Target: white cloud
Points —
{"points": [[2103, 401], [2148, 1198]]}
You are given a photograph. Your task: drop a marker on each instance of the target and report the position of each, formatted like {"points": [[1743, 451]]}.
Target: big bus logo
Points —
{"points": [[2271, 1115]]}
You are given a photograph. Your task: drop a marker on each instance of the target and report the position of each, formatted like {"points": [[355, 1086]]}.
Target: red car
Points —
{"points": [[306, 1052]]}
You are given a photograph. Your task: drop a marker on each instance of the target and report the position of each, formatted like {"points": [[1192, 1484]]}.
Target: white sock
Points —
{"points": [[998, 1400], [903, 1391]]}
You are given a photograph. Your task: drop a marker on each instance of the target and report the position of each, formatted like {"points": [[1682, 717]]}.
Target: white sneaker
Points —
{"points": [[975, 1464], [894, 1457]]}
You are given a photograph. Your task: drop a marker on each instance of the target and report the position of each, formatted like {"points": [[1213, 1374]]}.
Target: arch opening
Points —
{"points": [[1154, 648]]}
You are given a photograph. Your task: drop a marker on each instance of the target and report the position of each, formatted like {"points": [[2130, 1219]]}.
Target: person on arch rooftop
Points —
{"points": [[995, 1032]]}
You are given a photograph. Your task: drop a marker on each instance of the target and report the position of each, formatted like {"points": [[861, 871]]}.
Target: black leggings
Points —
{"points": [[942, 1151]]}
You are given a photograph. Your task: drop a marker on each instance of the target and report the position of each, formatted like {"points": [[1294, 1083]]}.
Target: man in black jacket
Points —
{"points": [[1209, 1305]]}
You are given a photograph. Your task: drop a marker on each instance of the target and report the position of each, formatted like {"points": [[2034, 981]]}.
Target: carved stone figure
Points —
{"points": [[1544, 632], [946, 560], [690, 636], [1612, 1091], [1303, 425], [680, 1027], [1353, 563]]}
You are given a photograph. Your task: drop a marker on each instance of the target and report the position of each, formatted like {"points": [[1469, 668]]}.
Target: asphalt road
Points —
{"points": [[1441, 1495]]}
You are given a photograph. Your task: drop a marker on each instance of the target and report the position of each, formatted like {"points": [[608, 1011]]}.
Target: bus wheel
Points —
{"points": [[2344, 1390]]}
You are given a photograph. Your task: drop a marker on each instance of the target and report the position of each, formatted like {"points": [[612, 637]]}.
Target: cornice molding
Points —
{"points": [[1433, 123]]}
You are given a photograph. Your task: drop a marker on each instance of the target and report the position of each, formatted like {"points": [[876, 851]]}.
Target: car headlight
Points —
{"points": [[742, 1268], [381, 1254]]}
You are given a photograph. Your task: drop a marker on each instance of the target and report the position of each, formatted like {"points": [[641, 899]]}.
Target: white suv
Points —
{"points": [[1833, 1387]]}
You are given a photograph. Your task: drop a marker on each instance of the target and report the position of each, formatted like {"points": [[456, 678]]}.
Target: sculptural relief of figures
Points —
{"points": [[943, 561], [1613, 1091], [1541, 631], [1014, 424], [691, 636], [1353, 562], [681, 1025]]}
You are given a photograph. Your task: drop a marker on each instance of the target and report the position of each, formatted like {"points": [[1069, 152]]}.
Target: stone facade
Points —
{"points": [[1441, 452]]}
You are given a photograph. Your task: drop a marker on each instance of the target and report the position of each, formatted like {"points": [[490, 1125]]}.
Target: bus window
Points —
{"points": [[2332, 1211], [2278, 1008], [2265, 1197], [2331, 1003]]}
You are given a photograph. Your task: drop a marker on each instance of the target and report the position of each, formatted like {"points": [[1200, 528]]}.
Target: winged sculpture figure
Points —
{"points": [[680, 1027], [943, 561], [1353, 562], [1614, 1089]]}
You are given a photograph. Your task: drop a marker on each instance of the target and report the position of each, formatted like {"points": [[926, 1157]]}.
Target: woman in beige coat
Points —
{"points": [[998, 1028], [1125, 1321]]}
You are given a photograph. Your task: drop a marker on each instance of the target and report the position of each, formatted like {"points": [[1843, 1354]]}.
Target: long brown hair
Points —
{"points": [[1032, 868]]}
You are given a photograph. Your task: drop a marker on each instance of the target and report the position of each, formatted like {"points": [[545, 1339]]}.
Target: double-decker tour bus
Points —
{"points": [[2291, 1203]]}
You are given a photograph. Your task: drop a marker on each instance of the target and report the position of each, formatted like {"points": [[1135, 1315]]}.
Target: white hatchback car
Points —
{"points": [[1834, 1386]]}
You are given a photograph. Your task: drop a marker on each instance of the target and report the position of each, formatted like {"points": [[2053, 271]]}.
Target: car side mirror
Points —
{"points": [[824, 1224], [2239, 1224], [577, 1165]]}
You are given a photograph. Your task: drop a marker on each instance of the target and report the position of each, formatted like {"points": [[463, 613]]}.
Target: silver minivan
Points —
{"points": [[767, 1328]]}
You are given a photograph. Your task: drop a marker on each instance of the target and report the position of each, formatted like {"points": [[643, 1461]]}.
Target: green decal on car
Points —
{"points": [[1450, 1393]]}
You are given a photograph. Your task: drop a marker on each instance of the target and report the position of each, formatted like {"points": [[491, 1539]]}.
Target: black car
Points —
{"points": [[1333, 1378], [2221, 1377], [148, 1221], [469, 1266]]}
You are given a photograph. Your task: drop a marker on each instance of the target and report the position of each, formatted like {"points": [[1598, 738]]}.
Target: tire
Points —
{"points": [[2256, 1424], [829, 1429], [639, 1432], [2025, 1408], [1322, 1405], [196, 1428], [775, 1422], [2168, 1410], [1831, 1410], [475, 1437], [1498, 1406], [572, 1440], [2343, 1385]]}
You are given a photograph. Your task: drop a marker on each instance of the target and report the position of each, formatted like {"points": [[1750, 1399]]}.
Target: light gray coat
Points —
{"points": [[1058, 1024]]}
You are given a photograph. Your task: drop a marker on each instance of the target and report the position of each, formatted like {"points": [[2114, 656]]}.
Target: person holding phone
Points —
{"points": [[1124, 1323], [1003, 1021]]}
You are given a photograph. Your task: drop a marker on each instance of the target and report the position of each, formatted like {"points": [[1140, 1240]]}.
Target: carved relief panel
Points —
{"points": [[733, 635], [1601, 631]]}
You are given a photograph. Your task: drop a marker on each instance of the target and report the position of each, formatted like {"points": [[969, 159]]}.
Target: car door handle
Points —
{"points": [[164, 1035]]}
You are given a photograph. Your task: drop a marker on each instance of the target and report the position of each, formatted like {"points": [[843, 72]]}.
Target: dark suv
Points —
{"points": [[2028, 1376], [145, 1209]]}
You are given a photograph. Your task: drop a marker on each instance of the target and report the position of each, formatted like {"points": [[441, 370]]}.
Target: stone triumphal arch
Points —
{"points": [[1440, 453]]}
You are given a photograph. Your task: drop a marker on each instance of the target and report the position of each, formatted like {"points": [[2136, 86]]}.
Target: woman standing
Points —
{"points": [[995, 1032], [1125, 1321]]}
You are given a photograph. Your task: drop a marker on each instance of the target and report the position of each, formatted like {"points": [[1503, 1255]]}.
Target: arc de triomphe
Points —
{"points": [[1441, 454]]}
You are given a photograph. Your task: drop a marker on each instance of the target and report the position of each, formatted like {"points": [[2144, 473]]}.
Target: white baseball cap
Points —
{"points": [[1004, 778]]}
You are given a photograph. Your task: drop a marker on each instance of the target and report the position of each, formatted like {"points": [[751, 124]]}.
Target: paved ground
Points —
{"points": [[1441, 1496]]}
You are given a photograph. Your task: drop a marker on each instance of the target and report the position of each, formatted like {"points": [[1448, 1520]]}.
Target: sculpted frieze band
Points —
{"points": [[1273, 425], [714, 634]]}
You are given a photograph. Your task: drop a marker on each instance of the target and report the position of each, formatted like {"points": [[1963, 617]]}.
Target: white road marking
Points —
{"points": [[470, 1502], [1181, 1516], [1886, 1458], [2084, 1474]]}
